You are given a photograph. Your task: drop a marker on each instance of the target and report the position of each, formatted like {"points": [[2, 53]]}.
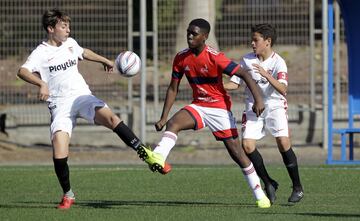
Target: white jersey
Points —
{"points": [[275, 66], [58, 67]]}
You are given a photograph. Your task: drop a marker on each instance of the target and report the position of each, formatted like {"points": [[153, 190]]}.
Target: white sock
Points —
{"points": [[166, 143], [70, 194], [253, 181]]}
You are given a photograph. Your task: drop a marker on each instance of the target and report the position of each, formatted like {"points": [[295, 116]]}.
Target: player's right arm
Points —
{"points": [[33, 78], [92, 56], [258, 106], [169, 101]]}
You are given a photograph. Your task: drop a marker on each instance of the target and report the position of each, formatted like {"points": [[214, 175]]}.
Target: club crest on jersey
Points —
{"points": [[204, 69], [202, 91], [71, 50]]}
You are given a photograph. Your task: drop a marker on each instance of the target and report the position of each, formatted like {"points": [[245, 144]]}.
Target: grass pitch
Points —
{"points": [[187, 193]]}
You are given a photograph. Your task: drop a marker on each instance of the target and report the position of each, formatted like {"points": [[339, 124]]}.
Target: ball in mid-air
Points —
{"points": [[128, 63]]}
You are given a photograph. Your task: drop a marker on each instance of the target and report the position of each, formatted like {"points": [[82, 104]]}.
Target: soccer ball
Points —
{"points": [[128, 64]]}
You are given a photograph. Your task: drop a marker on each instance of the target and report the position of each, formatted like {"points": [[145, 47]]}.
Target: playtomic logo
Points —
{"points": [[63, 66]]}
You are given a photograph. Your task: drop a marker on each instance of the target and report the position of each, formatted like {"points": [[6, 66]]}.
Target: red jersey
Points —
{"points": [[204, 73]]}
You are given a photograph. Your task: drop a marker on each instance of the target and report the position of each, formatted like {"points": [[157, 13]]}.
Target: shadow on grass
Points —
{"points": [[35, 205], [104, 204], [111, 204], [343, 215], [319, 214]]}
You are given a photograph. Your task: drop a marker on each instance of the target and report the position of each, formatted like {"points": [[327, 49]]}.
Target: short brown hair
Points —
{"points": [[53, 16], [266, 30]]}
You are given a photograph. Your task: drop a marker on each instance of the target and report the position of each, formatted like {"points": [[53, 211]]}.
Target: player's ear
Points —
{"points": [[50, 29], [206, 36], [268, 41]]}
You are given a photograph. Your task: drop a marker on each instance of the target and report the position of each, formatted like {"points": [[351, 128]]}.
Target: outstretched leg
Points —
{"points": [[104, 116], [182, 120]]}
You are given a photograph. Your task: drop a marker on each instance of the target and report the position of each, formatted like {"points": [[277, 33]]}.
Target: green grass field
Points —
{"points": [[187, 193]]}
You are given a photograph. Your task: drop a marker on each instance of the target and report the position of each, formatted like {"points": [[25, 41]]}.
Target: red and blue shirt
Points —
{"points": [[204, 74]]}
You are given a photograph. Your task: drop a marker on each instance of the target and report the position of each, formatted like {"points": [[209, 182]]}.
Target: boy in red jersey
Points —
{"points": [[203, 67]]}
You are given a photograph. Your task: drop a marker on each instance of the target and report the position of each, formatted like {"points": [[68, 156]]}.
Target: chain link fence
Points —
{"points": [[103, 27]]}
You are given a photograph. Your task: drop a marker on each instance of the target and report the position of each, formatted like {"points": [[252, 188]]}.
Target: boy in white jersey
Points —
{"points": [[269, 71], [53, 67]]}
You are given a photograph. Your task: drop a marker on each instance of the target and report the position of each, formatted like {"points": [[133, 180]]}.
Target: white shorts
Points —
{"points": [[274, 120], [64, 112], [221, 122]]}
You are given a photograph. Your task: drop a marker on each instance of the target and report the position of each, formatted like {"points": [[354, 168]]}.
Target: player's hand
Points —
{"points": [[43, 92], [258, 108], [159, 125], [109, 66], [260, 70]]}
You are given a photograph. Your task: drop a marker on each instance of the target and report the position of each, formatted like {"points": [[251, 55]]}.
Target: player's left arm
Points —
{"points": [[92, 56], [279, 86]]}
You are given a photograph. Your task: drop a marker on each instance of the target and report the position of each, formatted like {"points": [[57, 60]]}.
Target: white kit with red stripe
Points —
{"points": [[275, 66]]}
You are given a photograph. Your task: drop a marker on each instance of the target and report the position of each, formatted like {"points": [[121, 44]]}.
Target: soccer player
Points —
{"points": [[269, 71], [203, 66], [53, 67]]}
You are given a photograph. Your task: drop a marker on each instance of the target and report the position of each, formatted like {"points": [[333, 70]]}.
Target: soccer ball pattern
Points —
{"points": [[128, 63]]}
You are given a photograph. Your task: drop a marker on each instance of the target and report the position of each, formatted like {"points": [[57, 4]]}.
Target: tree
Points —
{"points": [[196, 9]]}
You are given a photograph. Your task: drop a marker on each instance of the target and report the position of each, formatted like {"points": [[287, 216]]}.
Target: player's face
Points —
{"points": [[259, 44], [195, 37], [61, 31]]}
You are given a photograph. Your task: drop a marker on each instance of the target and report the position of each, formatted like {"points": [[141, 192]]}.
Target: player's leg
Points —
{"points": [[255, 157], [238, 155], [223, 126], [253, 129], [104, 116], [60, 132], [60, 144], [277, 125], [290, 161], [182, 120], [96, 111]]}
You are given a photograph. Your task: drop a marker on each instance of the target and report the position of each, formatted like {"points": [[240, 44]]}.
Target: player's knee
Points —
{"points": [[114, 120], [248, 147], [171, 125], [283, 143]]}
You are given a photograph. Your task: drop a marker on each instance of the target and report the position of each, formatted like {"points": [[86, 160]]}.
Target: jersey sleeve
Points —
{"points": [[78, 50], [281, 73], [33, 62], [177, 69], [227, 66], [236, 79]]}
